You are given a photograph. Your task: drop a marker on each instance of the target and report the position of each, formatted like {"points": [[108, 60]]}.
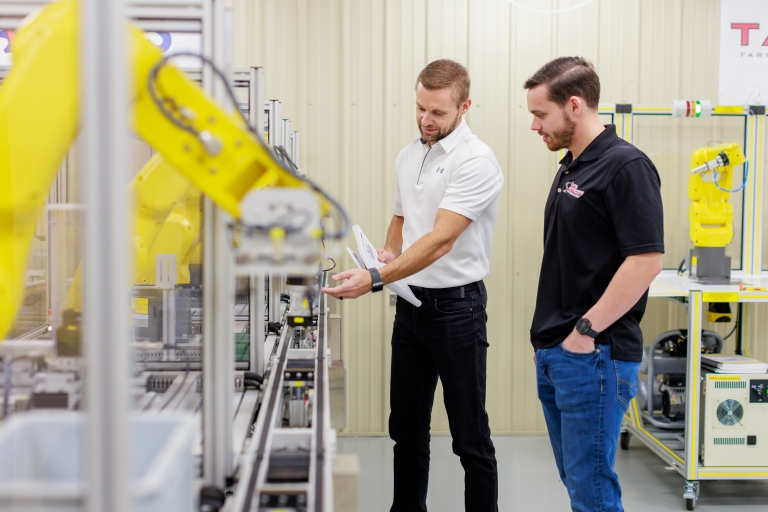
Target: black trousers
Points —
{"points": [[446, 338]]}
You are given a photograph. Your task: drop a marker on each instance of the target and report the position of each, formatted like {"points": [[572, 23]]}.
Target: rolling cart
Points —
{"points": [[682, 449]]}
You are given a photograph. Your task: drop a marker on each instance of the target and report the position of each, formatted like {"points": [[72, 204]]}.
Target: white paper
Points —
{"points": [[733, 364], [369, 258], [734, 359], [366, 248], [356, 258], [737, 371]]}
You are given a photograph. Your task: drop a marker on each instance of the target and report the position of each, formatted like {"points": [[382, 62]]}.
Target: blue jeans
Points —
{"points": [[584, 397], [445, 338]]}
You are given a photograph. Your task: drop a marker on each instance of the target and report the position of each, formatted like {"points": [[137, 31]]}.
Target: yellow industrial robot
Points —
{"points": [[217, 151], [711, 213]]}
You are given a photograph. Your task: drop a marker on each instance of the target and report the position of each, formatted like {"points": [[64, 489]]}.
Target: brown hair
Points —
{"points": [[566, 77], [444, 73]]}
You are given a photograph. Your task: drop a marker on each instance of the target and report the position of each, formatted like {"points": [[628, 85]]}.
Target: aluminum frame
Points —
{"points": [[682, 452], [218, 281], [105, 325]]}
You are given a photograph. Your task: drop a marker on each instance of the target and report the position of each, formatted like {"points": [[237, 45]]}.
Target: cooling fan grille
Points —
{"points": [[730, 412]]}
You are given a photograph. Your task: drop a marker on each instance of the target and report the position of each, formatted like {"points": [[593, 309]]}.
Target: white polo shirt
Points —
{"points": [[461, 174]]}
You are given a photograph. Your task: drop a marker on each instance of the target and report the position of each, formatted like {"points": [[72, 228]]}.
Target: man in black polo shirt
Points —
{"points": [[603, 240]]}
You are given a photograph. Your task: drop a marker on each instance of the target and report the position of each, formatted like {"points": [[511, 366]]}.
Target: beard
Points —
{"points": [[563, 137], [441, 132]]}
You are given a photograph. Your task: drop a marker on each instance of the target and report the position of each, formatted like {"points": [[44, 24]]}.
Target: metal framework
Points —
{"points": [[681, 450], [105, 130], [105, 124], [235, 450]]}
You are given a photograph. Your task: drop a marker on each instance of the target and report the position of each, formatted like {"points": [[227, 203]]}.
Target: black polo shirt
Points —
{"points": [[603, 207]]}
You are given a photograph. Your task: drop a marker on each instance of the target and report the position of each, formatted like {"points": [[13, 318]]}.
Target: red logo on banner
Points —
{"points": [[745, 28]]}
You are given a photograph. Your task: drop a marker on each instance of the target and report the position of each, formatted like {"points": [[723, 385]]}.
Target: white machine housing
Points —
{"points": [[738, 437], [299, 248]]}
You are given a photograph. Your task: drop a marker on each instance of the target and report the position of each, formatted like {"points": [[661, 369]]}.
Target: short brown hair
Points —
{"points": [[444, 73], [566, 77]]}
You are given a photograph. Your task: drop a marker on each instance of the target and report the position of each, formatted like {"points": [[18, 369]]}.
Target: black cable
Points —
{"points": [[342, 212], [7, 384], [333, 267], [680, 269], [287, 158], [227, 87], [739, 340], [175, 393], [150, 85], [732, 331]]}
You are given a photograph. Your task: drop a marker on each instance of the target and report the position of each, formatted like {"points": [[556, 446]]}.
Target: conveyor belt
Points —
{"points": [[270, 401], [255, 483]]}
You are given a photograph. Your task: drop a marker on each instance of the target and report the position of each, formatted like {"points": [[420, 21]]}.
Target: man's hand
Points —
{"points": [[579, 343], [385, 256], [359, 282]]}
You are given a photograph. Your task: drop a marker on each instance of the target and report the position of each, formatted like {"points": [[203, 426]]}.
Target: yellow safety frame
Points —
{"points": [[687, 463]]}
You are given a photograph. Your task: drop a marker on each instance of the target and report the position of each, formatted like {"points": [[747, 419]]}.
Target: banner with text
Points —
{"points": [[743, 52]]}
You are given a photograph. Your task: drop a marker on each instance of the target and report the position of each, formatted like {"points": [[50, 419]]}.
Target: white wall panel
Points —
{"points": [[345, 70]]}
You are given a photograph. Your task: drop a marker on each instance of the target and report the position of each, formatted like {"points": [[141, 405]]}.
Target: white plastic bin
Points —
{"points": [[42, 468]]}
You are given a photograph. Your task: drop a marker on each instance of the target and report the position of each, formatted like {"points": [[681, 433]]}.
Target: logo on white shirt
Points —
{"points": [[573, 189], [440, 170]]}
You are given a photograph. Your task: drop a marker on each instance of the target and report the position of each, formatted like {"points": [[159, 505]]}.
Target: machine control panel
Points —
{"points": [[758, 391]]}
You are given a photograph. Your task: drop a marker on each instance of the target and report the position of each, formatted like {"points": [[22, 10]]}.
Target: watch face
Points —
{"points": [[583, 326]]}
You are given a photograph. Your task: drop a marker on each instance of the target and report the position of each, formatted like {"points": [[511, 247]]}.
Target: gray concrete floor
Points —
{"points": [[528, 479]]}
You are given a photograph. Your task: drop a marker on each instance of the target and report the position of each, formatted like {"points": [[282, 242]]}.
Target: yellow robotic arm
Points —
{"points": [[167, 219], [39, 115], [711, 213]]}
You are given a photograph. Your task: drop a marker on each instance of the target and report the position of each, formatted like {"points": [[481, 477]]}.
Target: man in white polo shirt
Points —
{"points": [[446, 199]]}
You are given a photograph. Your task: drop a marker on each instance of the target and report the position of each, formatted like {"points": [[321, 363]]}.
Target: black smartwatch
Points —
{"points": [[584, 326], [378, 285]]}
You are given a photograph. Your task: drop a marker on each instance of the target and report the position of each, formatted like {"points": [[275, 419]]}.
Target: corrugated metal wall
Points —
{"points": [[345, 71]]}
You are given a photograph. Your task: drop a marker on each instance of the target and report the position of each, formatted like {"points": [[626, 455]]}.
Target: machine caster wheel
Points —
{"points": [[624, 441], [691, 494]]}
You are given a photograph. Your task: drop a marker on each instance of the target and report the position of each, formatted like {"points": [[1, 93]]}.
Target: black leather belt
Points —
{"points": [[455, 292]]}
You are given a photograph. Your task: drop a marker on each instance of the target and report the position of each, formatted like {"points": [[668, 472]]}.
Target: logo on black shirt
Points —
{"points": [[573, 189]]}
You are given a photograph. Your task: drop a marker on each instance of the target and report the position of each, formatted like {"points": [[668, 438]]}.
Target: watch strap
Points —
{"points": [[377, 284]]}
